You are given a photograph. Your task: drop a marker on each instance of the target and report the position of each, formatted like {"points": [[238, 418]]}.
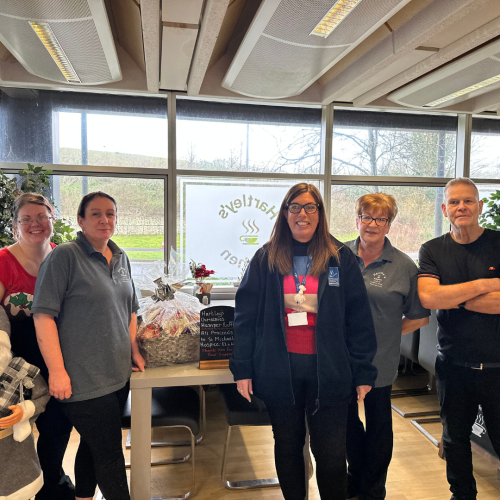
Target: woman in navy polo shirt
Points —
{"points": [[390, 277], [303, 336], [85, 317]]}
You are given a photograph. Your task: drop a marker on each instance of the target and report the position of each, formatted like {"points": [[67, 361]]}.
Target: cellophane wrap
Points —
{"points": [[169, 330]]}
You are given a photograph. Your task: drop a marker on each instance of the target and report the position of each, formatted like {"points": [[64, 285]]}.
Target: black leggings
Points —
{"points": [[99, 459], [54, 431], [327, 429]]}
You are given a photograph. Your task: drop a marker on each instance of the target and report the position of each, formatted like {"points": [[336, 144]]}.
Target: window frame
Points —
{"points": [[169, 174]]}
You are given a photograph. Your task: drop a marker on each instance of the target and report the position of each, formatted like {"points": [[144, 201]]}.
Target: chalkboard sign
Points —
{"points": [[216, 336]]}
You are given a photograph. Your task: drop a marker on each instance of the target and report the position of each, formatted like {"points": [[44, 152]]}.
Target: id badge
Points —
{"points": [[297, 319]]}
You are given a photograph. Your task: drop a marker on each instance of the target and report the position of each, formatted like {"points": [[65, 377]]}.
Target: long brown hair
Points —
{"points": [[280, 245]]}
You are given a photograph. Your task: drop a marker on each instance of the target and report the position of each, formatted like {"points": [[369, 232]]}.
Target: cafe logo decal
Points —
{"points": [[250, 239], [251, 234]]}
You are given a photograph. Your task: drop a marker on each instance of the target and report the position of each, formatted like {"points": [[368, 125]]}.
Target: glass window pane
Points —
{"points": [[140, 203], [73, 128], [393, 144], [419, 216], [485, 148], [221, 222], [246, 138]]}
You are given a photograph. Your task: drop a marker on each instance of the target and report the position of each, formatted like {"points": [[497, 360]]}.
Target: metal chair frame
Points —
{"points": [[99, 495], [250, 483], [428, 390], [418, 424], [164, 444]]}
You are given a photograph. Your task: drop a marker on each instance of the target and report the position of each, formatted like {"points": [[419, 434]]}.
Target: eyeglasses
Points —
{"points": [[309, 208], [366, 219], [40, 219]]}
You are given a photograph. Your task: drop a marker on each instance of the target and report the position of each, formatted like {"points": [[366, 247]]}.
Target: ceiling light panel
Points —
{"points": [[67, 41], [469, 76], [279, 57], [334, 17]]}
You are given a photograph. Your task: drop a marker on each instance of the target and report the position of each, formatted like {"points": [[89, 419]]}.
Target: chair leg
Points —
{"points": [[193, 483], [242, 485], [199, 438], [417, 423], [168, 461], [429, 390]]}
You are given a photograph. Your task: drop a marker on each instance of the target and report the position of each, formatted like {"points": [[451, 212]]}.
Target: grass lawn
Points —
{"points": [[141, 241]]}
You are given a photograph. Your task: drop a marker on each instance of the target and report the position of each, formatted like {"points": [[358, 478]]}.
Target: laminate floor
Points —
{"points": [[416, 471]]}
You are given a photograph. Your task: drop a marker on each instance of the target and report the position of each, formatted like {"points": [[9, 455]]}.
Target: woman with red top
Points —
{"points": [[303, 337], [32, 223]]}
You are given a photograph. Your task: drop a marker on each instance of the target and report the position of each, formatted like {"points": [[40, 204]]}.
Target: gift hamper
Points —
{"points": [[169, 321]]}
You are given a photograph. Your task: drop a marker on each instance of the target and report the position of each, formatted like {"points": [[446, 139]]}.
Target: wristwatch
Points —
{"points": [[461, 305]]}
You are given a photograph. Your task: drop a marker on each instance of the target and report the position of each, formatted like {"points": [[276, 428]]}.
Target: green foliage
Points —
{"points": [[32, 180], [490, 218], [8, 193]]}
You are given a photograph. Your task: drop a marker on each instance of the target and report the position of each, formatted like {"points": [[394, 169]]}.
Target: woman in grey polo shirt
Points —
{"points": [[85, 317], [391, 282]]}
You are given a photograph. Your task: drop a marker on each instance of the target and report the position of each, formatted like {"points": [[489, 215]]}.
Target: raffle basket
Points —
{"points": [[169, 321]]}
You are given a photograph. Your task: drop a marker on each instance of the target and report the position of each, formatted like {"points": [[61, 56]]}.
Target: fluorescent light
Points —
{"points": [[480, 85], [335, 16], [49, 40]]}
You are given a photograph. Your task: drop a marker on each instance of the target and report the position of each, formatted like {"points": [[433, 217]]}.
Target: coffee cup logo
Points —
{"points": [[250, 239]]}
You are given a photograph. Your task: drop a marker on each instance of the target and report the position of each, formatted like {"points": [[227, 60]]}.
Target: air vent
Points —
{"points": [[467, 77], [280, 55], [66, 41]]}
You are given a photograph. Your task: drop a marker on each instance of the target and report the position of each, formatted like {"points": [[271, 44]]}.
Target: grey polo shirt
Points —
{"points": [[92, 303], [391, 283]]}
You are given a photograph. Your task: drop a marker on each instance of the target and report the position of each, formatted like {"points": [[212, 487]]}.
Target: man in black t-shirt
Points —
{"points": [[459, 276]]}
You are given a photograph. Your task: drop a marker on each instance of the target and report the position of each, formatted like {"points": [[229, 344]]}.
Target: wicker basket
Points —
{"points": [[171, 350]]}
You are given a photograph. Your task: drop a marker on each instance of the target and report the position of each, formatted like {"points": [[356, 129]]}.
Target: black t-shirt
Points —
{"points": [[465, 335]]}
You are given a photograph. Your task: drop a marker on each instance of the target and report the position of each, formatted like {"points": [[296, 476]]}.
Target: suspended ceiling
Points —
{"points": [[188, 46]]}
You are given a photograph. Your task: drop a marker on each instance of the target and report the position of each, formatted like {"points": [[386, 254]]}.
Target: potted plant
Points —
{"points": [[490, 218], [32, 180]]}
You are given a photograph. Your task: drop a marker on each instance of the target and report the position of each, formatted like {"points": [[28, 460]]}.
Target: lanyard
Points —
{"points": [[296, 275]]}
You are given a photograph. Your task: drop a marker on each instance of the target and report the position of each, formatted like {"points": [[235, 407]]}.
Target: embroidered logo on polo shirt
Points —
{"points": [[491, 269], [378, 279], [124, 274]]}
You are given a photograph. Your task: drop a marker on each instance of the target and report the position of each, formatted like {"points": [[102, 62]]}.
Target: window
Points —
{"points": [[393, 144], [247, 138], [112, 139], [223, 221], [485, 148], [81, 129], [419, 216], [140, 204]]}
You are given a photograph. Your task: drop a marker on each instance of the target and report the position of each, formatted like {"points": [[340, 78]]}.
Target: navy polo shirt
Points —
{"points": [[92, 303]]}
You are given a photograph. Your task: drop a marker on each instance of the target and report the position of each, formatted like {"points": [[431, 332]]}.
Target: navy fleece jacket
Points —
{"points": [[345, 336]]}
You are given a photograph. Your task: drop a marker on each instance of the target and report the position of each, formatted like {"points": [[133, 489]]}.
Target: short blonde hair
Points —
{"points": [[381, 201], [461, 180]]}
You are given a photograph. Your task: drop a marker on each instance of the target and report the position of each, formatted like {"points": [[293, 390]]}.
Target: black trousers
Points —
{"points": [[327, 428], [461, 390], [54, 432], [369, 449], [99, 459]]}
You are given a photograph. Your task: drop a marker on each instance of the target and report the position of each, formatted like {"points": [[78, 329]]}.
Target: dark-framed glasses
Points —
{"points": [[40, 219], [309, 208], [379, 221]]}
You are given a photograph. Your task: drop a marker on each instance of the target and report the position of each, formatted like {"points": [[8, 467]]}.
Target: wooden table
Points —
{"points": [[140, 386]]}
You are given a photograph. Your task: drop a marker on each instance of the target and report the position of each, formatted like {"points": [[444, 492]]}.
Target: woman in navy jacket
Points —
{"points": [[304, 337]]}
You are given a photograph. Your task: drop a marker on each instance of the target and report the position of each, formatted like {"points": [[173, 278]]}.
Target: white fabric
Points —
{"points": [[23, 428], [5, 354], [29, 491]]}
